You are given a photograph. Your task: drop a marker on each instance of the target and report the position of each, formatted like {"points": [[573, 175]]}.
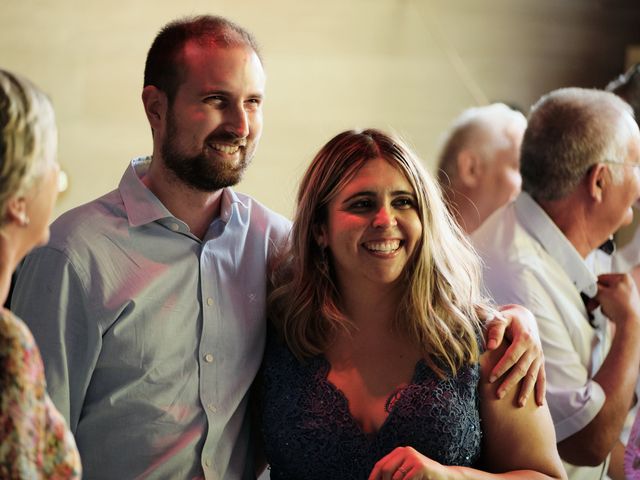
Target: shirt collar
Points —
{"points": [[538, 224], [144, 207], [228, 201]]}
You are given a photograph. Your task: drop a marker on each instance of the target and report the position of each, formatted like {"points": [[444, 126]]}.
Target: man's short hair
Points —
{"points": [[569, 131], [164, 67], [471, 129]]}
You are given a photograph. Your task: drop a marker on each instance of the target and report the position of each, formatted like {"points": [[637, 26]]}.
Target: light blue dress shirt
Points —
{"points": [[151, 337]]}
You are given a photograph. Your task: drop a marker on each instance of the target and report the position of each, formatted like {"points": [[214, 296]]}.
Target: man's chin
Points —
{"points": [[213, 184], [628, 218]]}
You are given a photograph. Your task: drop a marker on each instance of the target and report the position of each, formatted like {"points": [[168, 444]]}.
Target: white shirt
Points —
{"points": [[529, 261]]}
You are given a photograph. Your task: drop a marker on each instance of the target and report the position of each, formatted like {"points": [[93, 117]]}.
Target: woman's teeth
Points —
{"points": [[387, 246]]}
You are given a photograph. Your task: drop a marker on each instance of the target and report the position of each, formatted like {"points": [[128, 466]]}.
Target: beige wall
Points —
{"points": [[410, 65]]}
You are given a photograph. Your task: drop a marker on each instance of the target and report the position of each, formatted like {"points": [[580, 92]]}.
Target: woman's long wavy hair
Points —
{"points": [[439, 306]]}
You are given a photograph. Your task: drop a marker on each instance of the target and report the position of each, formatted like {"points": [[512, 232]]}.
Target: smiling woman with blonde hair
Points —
{"points": [[376, 365], [35, 442]]}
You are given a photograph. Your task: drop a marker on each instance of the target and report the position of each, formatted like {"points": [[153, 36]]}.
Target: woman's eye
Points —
{"points": [[361, 205], [403, 202]]}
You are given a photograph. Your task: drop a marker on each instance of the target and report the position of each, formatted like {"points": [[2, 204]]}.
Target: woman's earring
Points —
{"points": [[23, 220]]}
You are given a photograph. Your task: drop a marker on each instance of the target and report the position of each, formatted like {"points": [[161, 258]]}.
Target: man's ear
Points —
{"points": [[155, 106], [598, 178], [469, 168], [17, 211]]}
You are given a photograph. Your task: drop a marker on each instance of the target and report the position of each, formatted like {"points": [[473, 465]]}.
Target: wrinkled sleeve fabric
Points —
{"points": [[51, 297], [574, 399]]}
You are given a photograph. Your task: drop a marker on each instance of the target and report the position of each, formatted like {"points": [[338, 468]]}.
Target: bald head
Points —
{"points": [[478, 165]]}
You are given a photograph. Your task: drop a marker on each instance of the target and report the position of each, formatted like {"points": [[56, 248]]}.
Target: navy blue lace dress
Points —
{"points": [[309, 433]]}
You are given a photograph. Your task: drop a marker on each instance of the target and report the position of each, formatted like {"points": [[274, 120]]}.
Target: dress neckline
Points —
{"points": [[392, 399]]}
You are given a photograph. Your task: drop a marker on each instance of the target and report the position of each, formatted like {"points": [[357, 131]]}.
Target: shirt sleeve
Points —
{"points": [[51, 298], [574, 399]]}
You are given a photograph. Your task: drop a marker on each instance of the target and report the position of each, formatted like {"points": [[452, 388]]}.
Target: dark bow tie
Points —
{"points": [[590, 304], [608, 247]]}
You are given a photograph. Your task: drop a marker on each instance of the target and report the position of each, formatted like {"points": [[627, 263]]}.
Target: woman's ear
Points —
{"points": [[17, 211], [597, 179], [320, 234]]}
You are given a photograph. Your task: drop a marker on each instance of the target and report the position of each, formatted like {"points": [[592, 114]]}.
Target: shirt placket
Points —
{"points": [[209, 381]]}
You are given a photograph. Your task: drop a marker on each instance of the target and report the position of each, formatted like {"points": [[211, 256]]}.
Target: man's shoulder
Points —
{"points": [[503, 239], [514, 262], [262, 216], [88, 221], [256, 207]]}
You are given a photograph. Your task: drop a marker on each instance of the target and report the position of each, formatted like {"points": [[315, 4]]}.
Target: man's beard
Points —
{"points": [[200, 171]]}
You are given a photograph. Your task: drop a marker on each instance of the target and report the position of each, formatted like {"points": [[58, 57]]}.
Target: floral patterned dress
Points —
{"points": [[632, 453], [35, 442]]}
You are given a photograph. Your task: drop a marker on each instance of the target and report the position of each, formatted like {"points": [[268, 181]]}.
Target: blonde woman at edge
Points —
{"points": [[375, 366], [35, 442]]}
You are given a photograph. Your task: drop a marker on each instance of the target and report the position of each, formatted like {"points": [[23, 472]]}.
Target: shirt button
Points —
{"points": [[175, 227], [207, 462], [212, 407], [208, 358], [209, 301]]}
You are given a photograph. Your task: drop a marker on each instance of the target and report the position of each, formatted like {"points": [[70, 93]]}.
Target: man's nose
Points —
{"points": [[237, 121]]}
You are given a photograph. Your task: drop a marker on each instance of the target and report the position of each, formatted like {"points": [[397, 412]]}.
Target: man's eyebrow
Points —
{"points": [[226, 93], [214, 91]]}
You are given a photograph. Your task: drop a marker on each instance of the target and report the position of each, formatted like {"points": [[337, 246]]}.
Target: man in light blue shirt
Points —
{"points": [[148, 304]]}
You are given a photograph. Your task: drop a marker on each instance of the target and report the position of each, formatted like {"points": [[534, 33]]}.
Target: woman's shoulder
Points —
{"points": [[20, 359], [28, 418], [459, 386], [15, 336]]}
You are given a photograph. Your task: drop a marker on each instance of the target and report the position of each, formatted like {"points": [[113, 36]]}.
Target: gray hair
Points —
{"points": [[27, 133], [569, 131], [481, 128]]}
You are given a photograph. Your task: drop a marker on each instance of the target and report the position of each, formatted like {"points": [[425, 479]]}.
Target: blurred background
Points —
{"points": [[406, 65]]}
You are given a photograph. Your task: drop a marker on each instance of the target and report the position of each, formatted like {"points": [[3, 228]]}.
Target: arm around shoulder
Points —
{"points": [[516, 440]]}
